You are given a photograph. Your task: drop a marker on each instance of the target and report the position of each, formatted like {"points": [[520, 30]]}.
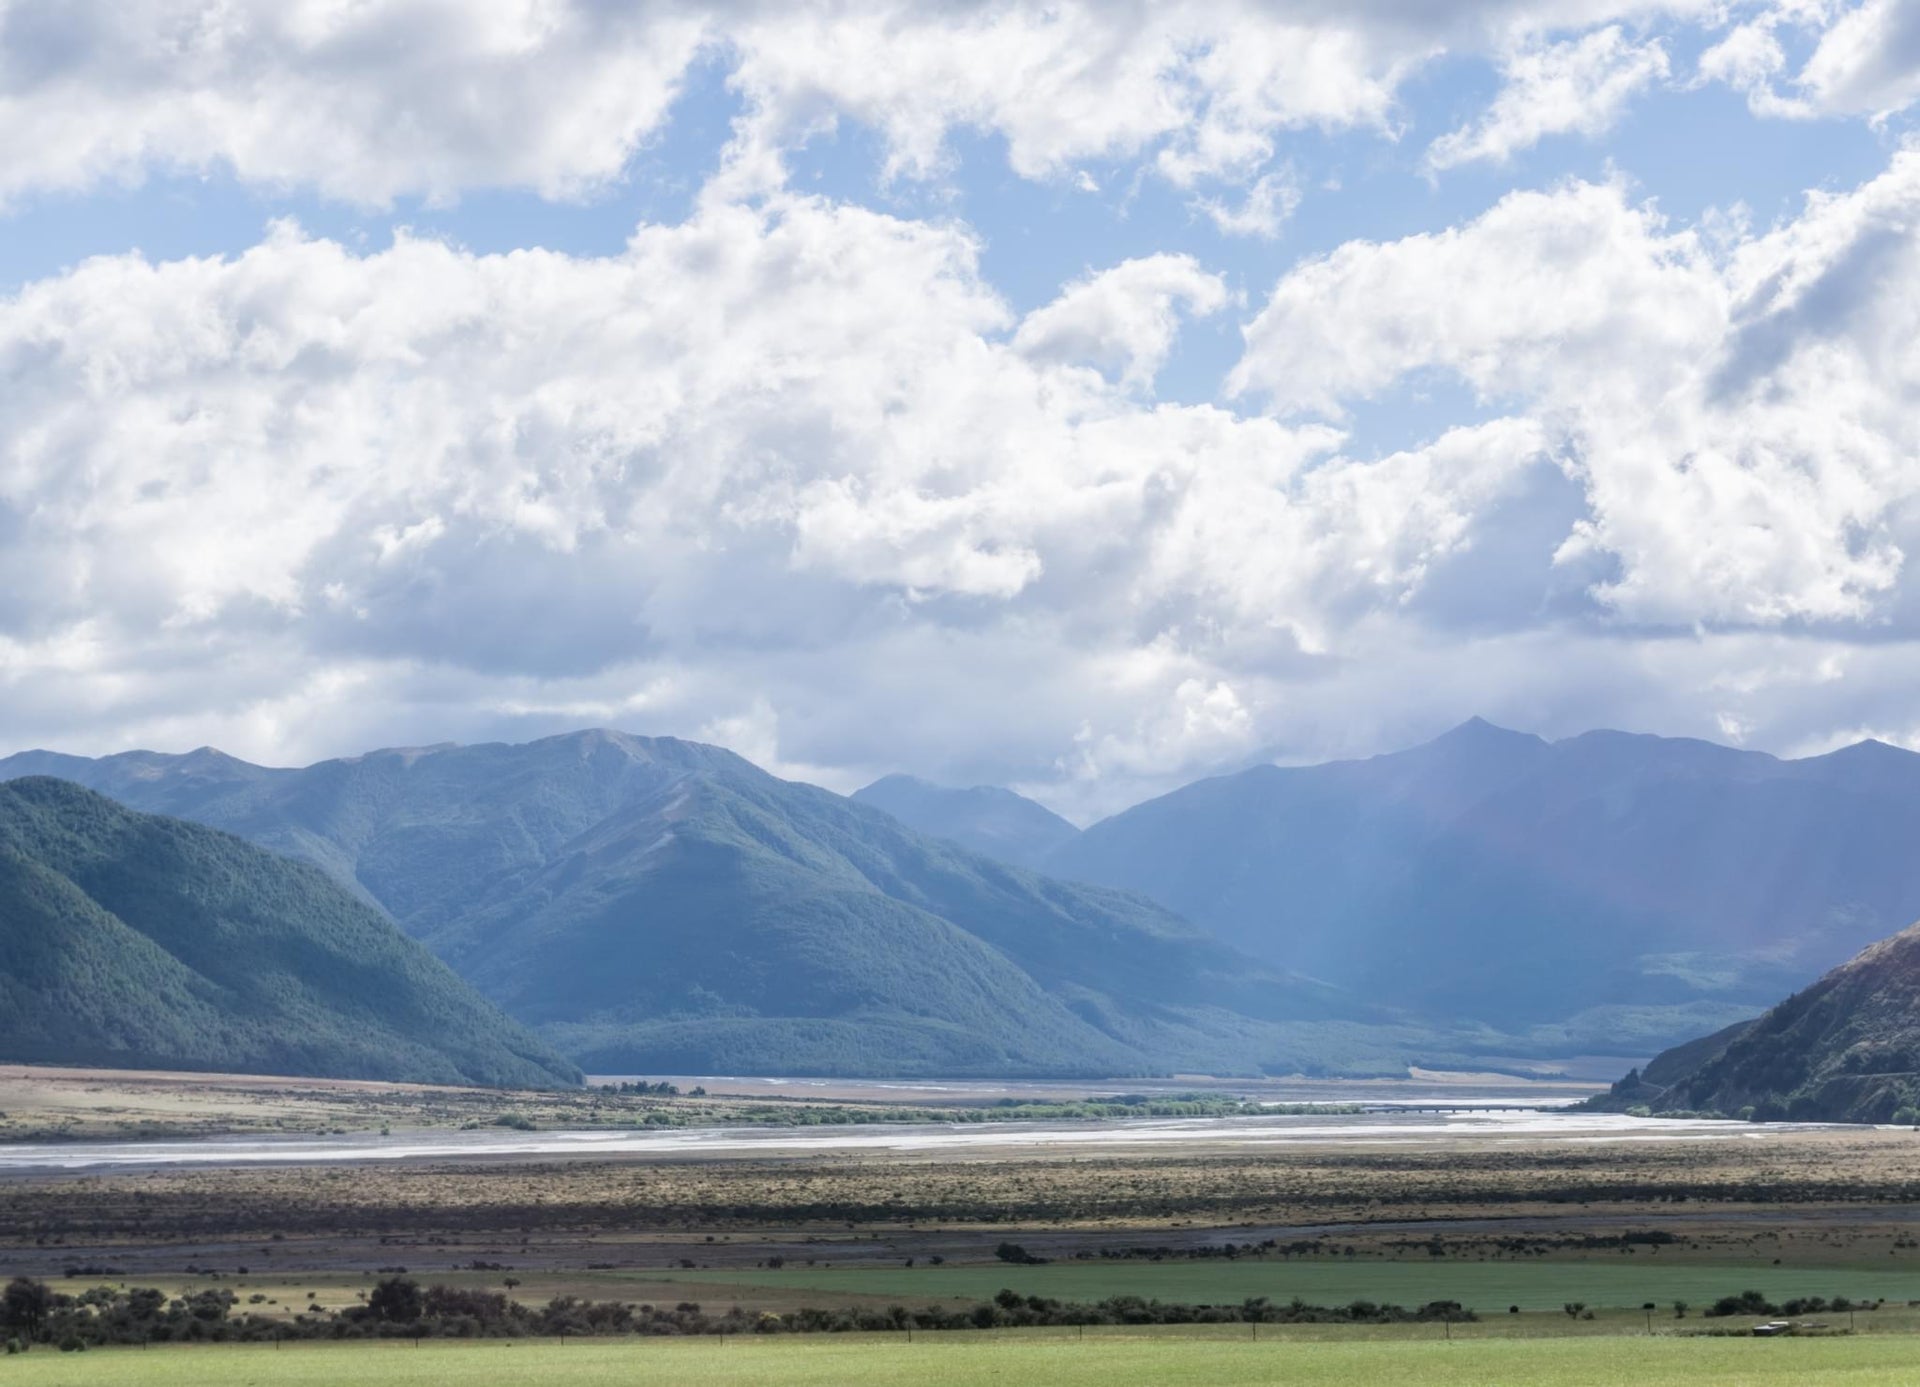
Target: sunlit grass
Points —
{"points": [[1109, 1359]]}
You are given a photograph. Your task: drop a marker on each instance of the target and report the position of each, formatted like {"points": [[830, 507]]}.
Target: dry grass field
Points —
{"points": [[41, 1103]]}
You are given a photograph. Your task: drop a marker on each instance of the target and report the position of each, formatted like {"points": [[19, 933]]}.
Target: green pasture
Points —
{"points": [[1484, 1286], [1112, 1359]]}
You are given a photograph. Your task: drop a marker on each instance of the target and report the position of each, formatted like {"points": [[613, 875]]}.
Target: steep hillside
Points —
{"points": [[988, 820], [131, 939], [1607, 885], [1846, 1049], [653, 904]]}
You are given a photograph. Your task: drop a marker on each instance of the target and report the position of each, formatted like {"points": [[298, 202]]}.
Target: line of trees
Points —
{"points": [[1753, 1303], [33, 1313]]}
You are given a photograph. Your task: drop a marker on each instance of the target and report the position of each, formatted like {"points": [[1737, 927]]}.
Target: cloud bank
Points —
{"points": [[797, 474]]}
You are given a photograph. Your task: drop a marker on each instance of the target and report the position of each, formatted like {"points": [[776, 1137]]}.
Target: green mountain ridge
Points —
{"points": [[1845, 1049], [656, 905], [134, 940]]}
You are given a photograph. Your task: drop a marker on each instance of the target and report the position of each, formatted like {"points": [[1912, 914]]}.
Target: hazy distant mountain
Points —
{"points": [[136, 940], [1846, 1049], [653, 904], [1608, 878], [988, 820]]}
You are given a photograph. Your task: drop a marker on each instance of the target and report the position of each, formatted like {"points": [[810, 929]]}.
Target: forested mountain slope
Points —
{"points": [[137, 940], [1846, 1049]]}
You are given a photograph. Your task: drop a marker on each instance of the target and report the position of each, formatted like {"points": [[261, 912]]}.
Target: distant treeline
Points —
{"points": [[31, 1313], [1753, 1303]]}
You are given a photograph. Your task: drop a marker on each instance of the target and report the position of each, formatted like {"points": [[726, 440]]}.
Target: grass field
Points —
{"points": [[1489, 1287], [1113, 1360], [1484, 1286]]}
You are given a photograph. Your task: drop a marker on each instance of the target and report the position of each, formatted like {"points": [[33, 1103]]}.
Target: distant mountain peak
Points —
{"points": [[902, 782], [1477, 730], [1873, 747], [988, 819], [206, 762], [1488, 873]]}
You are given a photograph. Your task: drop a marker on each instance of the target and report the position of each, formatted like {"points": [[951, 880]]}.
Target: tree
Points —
{"points": [[24, 1305], [396, 1300]]}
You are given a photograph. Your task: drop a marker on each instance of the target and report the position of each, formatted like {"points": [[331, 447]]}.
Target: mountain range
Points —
{"points": [[136, 940], [649, 904], [1610, 891], [654, 905]]}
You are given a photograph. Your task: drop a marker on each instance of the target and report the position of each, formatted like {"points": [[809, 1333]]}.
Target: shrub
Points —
{"points": [[1746, 1303], [396, 1300]]}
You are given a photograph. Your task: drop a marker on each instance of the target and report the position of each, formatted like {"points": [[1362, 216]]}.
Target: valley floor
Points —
{"points": [[41, 1103], [1512, 1224], [1489, 1223]]}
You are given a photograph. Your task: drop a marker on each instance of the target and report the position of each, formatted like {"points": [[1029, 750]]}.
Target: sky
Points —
{"points": [[1080, 397]]}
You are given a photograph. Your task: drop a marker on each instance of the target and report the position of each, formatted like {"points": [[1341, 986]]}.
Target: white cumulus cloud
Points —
{"points": [[372, 101], [1743, 420], [362, 102], [1123, 320], [716, 478], [1577, 86], [795, 474]]}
